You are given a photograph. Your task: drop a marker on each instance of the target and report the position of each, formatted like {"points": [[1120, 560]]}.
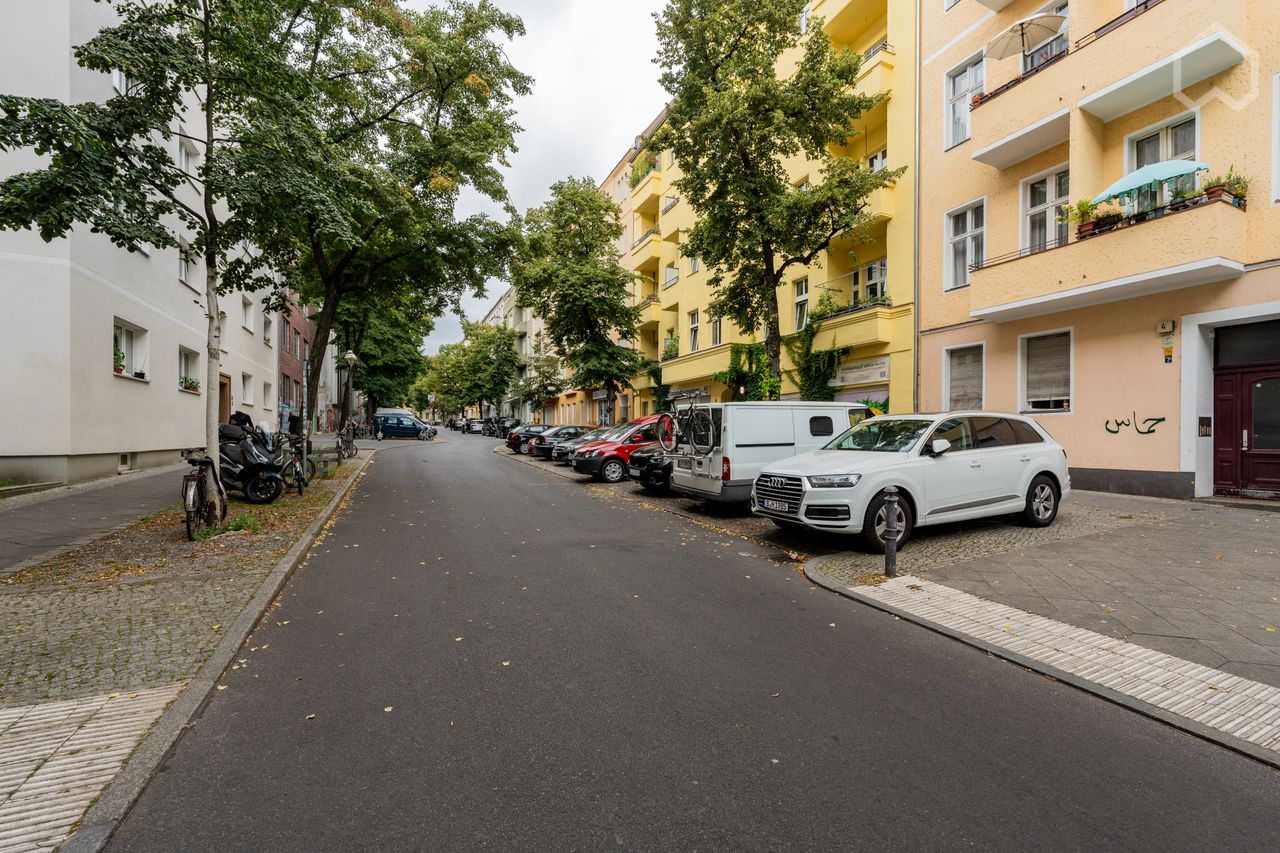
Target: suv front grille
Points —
{"points": [[779, 488]]}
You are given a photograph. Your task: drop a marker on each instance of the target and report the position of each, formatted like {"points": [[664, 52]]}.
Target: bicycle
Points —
{"points": [[201, 512], [347, 444], [293, 469], [693, 425]]}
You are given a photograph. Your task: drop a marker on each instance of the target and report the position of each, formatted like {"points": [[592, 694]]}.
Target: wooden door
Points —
{"points": [[1226, 433], [1260, 433], [224, 398]]}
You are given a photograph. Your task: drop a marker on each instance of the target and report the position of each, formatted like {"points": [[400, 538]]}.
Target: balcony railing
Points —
{"points": [[1114, 23], [1106, 225], [671, 202], [876, 48], [672, 276], [652, 232]]}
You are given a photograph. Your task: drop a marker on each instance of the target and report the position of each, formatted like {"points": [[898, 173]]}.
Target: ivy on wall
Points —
{"points": [[661, 391], [748, 375], [814, 370]]}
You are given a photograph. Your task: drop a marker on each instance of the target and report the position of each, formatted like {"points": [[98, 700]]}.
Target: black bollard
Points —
{"points": [[891, 531]]}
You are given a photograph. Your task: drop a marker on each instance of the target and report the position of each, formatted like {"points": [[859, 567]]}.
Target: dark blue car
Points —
{"points": [[399, 426]]}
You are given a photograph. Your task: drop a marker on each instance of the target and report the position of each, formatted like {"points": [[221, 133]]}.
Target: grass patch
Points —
{"points": [[4, 484], [243, 521]]}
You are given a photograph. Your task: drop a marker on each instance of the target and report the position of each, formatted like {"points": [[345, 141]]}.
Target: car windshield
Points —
{"points": [[595, 435], [881, 436]]}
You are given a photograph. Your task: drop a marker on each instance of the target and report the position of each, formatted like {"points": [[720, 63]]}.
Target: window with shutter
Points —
{"points": [[1047, 371], [964, 378]]}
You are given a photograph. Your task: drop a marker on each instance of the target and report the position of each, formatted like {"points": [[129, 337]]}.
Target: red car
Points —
{"points": [[607, 460]]}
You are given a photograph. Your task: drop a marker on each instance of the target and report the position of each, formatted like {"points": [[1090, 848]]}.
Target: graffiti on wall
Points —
{"points": [[1144, 427]]}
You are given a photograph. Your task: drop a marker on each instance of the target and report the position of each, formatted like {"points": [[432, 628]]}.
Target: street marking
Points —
{"points": [[1248, 710], [57, 757]]}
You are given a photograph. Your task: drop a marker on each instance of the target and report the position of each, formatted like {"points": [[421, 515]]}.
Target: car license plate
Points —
{"points": [[776, 506], [685, 464], [634, 472]]}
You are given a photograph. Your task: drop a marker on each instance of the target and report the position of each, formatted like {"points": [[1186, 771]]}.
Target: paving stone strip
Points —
{"points": [[1228, 704], [56, 758]]}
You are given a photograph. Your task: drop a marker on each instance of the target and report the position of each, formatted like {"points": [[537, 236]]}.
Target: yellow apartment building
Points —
{"points": [[1146, 341], [871, 280]]}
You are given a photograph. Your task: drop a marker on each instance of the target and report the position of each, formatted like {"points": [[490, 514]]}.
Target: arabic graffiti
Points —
{"points": [[1148, 425]]}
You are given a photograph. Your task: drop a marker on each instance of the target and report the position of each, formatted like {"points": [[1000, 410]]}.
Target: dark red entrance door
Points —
{"points": [[1246, 427]]}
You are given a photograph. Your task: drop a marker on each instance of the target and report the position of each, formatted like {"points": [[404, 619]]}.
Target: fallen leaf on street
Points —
{"points": [[311, 716], [506, 663], [222, 687], [387, 709]]}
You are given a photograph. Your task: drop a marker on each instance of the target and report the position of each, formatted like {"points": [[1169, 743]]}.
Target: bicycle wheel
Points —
{"points": [[700, 429], [667, 432]]}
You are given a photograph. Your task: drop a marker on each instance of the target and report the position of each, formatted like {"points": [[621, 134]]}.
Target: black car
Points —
{"points": [[651, 468], [562, 451], [542, 445], [518, 438], [506, 425]]}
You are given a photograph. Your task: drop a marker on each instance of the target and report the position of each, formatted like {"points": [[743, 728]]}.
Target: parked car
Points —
{"points": [[474, 425], [542, 444], [518, 438], [607, 459], [747, 436], [651, 468], [506, 425], [399, 426], [562, 451], [951, 467]]}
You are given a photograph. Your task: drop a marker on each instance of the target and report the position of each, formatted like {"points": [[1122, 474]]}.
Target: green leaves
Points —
{"points": [[731, 123]]}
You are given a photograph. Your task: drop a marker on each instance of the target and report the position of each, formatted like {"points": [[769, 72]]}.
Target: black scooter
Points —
{"points": [[245, 465]]}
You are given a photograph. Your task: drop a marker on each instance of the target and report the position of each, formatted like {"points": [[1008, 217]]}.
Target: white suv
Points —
{"points": [[952, 467]]}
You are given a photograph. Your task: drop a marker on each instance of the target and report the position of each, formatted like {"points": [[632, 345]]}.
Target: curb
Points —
{"points": [[99, 823], [813, 571]]}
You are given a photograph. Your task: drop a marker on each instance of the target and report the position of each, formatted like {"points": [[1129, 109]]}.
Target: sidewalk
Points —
{"points": [[39, 525]]}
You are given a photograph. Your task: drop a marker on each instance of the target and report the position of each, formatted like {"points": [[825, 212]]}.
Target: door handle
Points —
{"points": [[1024, 458], [1244, 439], [975, 464]]}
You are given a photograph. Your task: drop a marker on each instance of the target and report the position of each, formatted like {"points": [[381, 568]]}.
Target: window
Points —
{"points": [[268, 328], [1050, 48], [184, 263], [1046, 371], [670, 275], [804, 19], [1025, 433], [266, 396], [877, 272], [821, 425], [964, 378], [1045, 202], [717, 331], [297, 342], [962, 84], [624, 408], [187, 157], [693, 331], [1176, 141], [188, 369], [965, 231], [130, 349], [671, 157], [121, 81], [954, 430], [246, 389], [802, 302], [992, 432], [694, 265], [878, 160], [246, 309]]}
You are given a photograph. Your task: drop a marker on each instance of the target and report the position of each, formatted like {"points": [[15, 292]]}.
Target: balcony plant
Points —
{"points": [[670, 349], [188, 383], [117, 360], [1181, 198], [1232, 184]]}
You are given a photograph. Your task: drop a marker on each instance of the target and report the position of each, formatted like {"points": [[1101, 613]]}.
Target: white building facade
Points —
{"points": [[103, 350]]}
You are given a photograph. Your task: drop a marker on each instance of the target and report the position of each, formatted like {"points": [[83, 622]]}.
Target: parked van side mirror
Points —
{"points": [[939, 446]]}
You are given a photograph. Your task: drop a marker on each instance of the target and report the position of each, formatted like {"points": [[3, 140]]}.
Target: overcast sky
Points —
{"points": [[595, 87]]}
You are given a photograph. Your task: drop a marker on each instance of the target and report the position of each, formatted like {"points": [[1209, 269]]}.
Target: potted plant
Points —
{"points": [[118, 360], [1082, 214], [189, 383], [266, 339], [1180, 199], [1237, 186], [1106, 219], [670, 349]]}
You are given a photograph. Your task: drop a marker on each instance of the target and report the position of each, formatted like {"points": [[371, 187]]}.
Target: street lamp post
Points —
{"points": [[350, 359]]}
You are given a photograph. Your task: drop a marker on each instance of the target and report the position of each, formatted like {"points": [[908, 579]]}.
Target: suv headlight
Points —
{"points": [[834, 481]]}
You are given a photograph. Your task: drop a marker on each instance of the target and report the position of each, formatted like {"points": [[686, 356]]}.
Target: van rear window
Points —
{"points": [[821, 425]]}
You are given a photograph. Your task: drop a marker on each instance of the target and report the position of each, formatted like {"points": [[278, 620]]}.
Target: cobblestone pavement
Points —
{"points": [[56, 758], [138, 608], [1194, 580]]}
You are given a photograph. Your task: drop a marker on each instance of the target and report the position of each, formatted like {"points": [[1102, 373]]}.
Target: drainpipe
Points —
{"points": [[915, 225]]}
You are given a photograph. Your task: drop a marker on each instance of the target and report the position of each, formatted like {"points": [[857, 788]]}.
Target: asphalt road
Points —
{"points": [[497, 659]]}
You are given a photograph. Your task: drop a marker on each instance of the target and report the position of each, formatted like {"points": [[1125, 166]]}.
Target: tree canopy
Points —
{"points": [[732, 122], [567, 271]]}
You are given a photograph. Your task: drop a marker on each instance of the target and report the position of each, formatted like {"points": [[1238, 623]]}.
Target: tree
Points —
{"points": [[491, 361], [194, 71], [567, 271], [544, 378], [408, 108], [385, 331], [731, 123], [449, 379]]}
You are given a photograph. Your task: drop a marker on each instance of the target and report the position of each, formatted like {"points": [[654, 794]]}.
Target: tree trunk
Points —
{"points": [[320, 345], [610, 396], [773, 338], [212, 252]]}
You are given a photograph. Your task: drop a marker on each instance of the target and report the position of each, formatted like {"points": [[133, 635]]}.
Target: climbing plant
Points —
{"points": [[814, 370], [748, 375], [661, 391]]}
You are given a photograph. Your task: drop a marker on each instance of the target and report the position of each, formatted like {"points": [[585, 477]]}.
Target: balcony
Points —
{"points": [[1169, 251], [650, 313], [995, 5], [695, 367], [1030, 112], [669, 224], [855, 327], [876, 74], [645, 194], [646, 253]]}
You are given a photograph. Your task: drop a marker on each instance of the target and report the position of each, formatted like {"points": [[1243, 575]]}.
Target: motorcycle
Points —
{"points": [[246, 466]]}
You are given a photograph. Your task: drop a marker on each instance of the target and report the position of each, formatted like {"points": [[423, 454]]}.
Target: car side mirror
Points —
{"points": [[939, 446], [637, 438]]}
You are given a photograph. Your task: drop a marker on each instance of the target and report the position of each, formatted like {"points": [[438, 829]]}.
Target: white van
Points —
{"points": [[748, 436]]}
